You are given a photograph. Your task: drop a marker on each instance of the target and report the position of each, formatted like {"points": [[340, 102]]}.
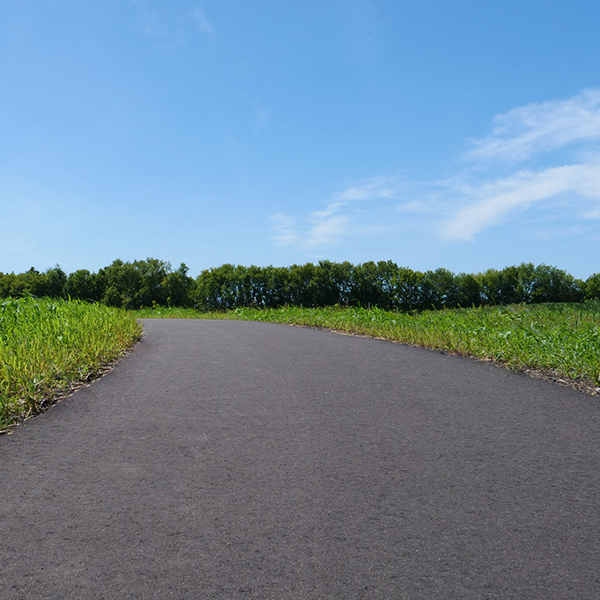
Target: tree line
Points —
{"points": [[152, 282]]}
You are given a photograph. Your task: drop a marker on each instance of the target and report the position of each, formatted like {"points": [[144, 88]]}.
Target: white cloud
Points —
{"points": [[378, 187], [519, 192], [202, 23], [525, 133], [540, 128], [365, 28], [415, 206], [261, 117], [150, 21], [320, 228], [550, 190], [592, 214], [339, 218], [326, 226], [168, 36], [284, 229]]}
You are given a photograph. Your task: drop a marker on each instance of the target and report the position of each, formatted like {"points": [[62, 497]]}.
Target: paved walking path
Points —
{"points": [[238, 460]]}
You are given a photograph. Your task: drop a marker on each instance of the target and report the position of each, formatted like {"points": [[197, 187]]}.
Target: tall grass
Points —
{"points": [[47, 346], [561, 340]]}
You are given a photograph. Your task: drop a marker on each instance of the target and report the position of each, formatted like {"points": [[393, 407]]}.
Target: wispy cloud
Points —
{"points": [[149, 20], [371, 189], [202, 23], [523, 134], [284, 230], [155, 25], [540, 128], [495, 201], [514, 176], [327, 226], [320, 228], [261, 117], [338, 220], [366, 30]]}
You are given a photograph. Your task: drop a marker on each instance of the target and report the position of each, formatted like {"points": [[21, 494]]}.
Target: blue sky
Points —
{"points": [[461, 134]]}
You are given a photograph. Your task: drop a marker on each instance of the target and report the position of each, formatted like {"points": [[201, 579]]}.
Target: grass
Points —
{"points": [[558, 341], [48, 347]]}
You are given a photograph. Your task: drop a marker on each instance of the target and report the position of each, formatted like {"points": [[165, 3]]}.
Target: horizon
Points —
{"points": [[173, 267]]}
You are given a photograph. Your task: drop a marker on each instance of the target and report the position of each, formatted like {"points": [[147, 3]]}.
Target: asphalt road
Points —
{"points": [[238, 460]]}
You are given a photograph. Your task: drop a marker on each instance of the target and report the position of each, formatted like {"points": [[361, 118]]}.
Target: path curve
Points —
{"points": [[235, 460]]}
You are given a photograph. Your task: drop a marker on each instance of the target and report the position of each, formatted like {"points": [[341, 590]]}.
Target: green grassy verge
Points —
{"points": [[49, 346], [560, 341]]}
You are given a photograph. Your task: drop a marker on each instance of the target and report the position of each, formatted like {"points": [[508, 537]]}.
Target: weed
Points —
{"points": [[47, 345]]}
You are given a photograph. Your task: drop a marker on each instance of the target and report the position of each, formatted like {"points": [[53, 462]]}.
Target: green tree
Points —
{"points": [[123, 283], [438, 289], [276, 286], [592, 287], [6, 284], [555, 285], [83, 285], [178, 287], [216, 288], [302, 288], [152, 273], [499, 287], [334, 283], [467, 291], [375, 284], [54, 283], [407, 289], [133, 285], [30, 283]]}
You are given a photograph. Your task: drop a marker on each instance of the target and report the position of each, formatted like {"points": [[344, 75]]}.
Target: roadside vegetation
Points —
{"points": [[50, 346], [145, 283], [531, 318], [556, 341]]}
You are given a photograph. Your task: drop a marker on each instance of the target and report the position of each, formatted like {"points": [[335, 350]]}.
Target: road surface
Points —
{"points": [[236, 460]]}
